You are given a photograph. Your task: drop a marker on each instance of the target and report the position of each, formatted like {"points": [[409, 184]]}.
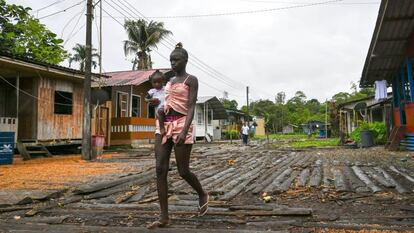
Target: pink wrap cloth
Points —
{"points": [[176, 97], [173, 129]]}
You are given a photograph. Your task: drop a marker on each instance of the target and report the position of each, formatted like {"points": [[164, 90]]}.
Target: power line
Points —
{"points": [[200, 68], [74, 34], [70, 21], [73, 29], [161, 55], [64, 10], [245, 12], [47, 6], [295, 3], [35, 97], [172, 44], [197, 60]]}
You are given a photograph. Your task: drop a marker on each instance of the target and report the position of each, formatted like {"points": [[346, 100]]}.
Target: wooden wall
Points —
{"points": [[140, 90], [59, 126], [27, 109]]}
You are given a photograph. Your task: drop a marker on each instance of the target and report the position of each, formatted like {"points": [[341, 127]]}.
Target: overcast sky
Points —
{"points": [[316, 49]]}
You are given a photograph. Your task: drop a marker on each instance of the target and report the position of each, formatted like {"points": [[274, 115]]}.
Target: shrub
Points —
{"points": [[234, 132], [378, 130]]}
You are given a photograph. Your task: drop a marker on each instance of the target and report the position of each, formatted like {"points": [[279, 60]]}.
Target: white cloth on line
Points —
{"points": [[380, 90]]}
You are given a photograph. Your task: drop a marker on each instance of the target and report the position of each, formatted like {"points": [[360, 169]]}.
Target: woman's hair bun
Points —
{"points": [[179, 45]]}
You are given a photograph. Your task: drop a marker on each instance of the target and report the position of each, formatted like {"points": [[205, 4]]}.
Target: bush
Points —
{"points": [[234, 132], [378, 130]]}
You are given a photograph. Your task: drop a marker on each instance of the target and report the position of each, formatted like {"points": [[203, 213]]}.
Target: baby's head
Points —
{"points": [[157, 79]]}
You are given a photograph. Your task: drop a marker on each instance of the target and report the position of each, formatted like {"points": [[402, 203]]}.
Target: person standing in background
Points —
{"points": [[245, 133]]}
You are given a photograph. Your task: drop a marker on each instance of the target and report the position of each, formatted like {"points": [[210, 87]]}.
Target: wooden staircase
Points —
{"points": [[32, 148], [396, 135]]}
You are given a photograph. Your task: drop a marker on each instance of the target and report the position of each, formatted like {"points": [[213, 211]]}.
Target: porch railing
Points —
{"points": [[8, 124], [126, 129]]}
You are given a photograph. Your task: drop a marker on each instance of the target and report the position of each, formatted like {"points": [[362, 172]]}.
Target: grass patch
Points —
{"points": [[284, 136], [315, 143]]}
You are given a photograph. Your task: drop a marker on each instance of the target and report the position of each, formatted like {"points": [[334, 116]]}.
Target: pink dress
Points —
{"points": [[177, 98]]}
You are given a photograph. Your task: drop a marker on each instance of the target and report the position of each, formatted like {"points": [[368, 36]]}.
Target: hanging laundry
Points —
{"points": [[380, 90]]}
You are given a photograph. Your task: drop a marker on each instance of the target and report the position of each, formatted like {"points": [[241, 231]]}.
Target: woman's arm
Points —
{"points": [[192, 100]]}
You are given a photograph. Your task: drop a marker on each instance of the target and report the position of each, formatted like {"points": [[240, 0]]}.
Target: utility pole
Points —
{"points": [[326, 118], [100, 37], [247, 101], [86, 130]]}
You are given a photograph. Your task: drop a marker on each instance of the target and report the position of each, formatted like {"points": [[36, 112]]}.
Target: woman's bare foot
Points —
{"points": [[203, 204], [159, 224]]}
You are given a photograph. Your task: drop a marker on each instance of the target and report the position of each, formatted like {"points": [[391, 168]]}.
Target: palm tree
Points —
{"points": [[143, 36], [80, 56]]}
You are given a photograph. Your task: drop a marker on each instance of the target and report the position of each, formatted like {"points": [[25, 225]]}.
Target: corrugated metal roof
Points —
{"points": [[131, 77], [219, 112], [394, 27], [7, 57]]}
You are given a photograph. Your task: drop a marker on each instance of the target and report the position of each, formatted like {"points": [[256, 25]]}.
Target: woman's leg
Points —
{"points": [[162, 157], [182, 157]]}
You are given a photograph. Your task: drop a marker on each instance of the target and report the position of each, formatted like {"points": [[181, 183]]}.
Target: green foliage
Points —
{"points": [[315, 143], [378, 130], [143, 36], [79, 56], [293, 136], [235, 134], [23, 35], [230, 104]]}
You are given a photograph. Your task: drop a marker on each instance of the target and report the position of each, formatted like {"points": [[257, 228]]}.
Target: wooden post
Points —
{"points": [[410, 78], [247, 102], [17, 105], [86, 130]]}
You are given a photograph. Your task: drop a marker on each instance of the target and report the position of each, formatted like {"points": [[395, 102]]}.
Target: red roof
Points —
{"points": [[130, 77]]}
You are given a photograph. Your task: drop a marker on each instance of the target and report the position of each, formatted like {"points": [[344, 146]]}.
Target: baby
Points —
{"points": [[156, 97]]}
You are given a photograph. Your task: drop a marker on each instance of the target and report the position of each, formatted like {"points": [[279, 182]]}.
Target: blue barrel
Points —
{"points": [[410, 141], [6, 147], [322, 133]]}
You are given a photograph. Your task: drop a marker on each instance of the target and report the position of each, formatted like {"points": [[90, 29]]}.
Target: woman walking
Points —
{"points": [[177, 132]]}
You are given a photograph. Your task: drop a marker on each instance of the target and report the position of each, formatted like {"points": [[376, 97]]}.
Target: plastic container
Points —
{"points": [[410, 141], [367, 138], [6, 147], [98, 142], [409, 116]]}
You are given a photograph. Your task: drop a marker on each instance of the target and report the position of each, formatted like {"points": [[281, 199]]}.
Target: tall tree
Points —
{"points": [[143, 36], [23, 35], [230, 104], [79, 56], [280, 98]]}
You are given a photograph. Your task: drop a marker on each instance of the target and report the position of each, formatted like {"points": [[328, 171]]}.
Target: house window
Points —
{"points": [[136, 106], [151, 111], [200, 118], [63, 102], [122, 105]]}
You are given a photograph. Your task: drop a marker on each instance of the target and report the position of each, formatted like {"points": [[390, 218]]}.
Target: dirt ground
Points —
{"points": [[258, 188]]}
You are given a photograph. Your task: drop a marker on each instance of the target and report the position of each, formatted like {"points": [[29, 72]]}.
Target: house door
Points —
{"points": [[102, 123]]}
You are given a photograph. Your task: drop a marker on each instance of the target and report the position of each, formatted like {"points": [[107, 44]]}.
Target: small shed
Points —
{"points": [[287, 129], [208, 108]]}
